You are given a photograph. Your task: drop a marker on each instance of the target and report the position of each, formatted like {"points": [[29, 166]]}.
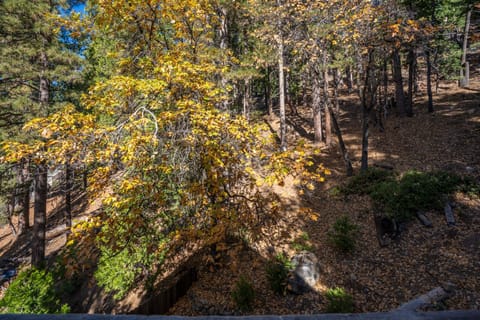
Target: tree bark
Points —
{"points": [[23, 195], [411, 74], [246, 98], [465, 71], [68, 194], [40, 216], [397, 78], [268, 94], [429, 81], [336, 83], [349, 76], [368, 102], [326, 102], [281, 88], [317, 110], [41, 176]]}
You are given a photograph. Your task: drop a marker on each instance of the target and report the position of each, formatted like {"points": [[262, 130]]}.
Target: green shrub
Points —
{"points": [[33, 291], [302, 243], [414, 191], [243, 294], [343, 234], [277, 273], [364, 182], [117, 271], [339, 301]]}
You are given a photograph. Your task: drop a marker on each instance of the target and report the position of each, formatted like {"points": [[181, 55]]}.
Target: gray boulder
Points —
{"points": [[305, 274]]}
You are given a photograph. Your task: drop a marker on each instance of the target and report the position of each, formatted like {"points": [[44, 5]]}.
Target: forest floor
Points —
{"points": [[378, 278]]}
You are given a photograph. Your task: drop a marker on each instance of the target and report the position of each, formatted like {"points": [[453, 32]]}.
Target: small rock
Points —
{"points": [[306, 273]]}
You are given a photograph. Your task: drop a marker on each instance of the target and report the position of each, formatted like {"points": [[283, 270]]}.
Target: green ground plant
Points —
{"points": [[243, 294], [277, 271], [339, 301], [33, 291], [343, 234], [401, 197], [302, 243]]}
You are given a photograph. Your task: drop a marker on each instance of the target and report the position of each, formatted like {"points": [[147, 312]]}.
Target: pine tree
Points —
{"points": [[34, 71]]}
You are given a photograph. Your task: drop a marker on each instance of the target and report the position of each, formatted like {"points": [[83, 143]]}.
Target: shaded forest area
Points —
{"points": [[205, 157]]}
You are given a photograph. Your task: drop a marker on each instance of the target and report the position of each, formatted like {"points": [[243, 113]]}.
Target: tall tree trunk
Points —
{"points": [[341, 143], [281, 88], [365, 134], [246, 98], [41, 176], [85, 177], [429, 80], [268, 94], [223, 36], [349, 76], [397, 78], [10, 212], [411, 74], [40, 216], [385, 88], [336, 83], [68, 194], [465, 71], [317, 109], [368, 102], [326, 102], [24, 195]]}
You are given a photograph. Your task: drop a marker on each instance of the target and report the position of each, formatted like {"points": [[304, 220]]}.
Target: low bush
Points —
{"points": [[33, 291], [402, 198], [415, 191], [343, 234], [243, 294], [364, 182], [277, 273], [339, 301], [302, 243]]}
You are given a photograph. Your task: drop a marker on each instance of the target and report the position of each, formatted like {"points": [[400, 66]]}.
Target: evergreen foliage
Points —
{"points": [[339, 301], [33, 291], [277, 271], [343, 234], [243, 294]]}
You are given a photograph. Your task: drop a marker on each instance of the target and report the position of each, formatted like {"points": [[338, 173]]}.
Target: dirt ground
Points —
{"points": [[378, 278]]}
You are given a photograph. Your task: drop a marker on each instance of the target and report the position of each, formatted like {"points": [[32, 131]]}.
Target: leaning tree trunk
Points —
{"points": [[39, 216], [341, 143], [465, 71], [397, 78]]}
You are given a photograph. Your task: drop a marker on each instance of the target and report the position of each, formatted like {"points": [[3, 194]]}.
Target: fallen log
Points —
{"points": [[449, 214], [424, 220], [433, 296]]}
